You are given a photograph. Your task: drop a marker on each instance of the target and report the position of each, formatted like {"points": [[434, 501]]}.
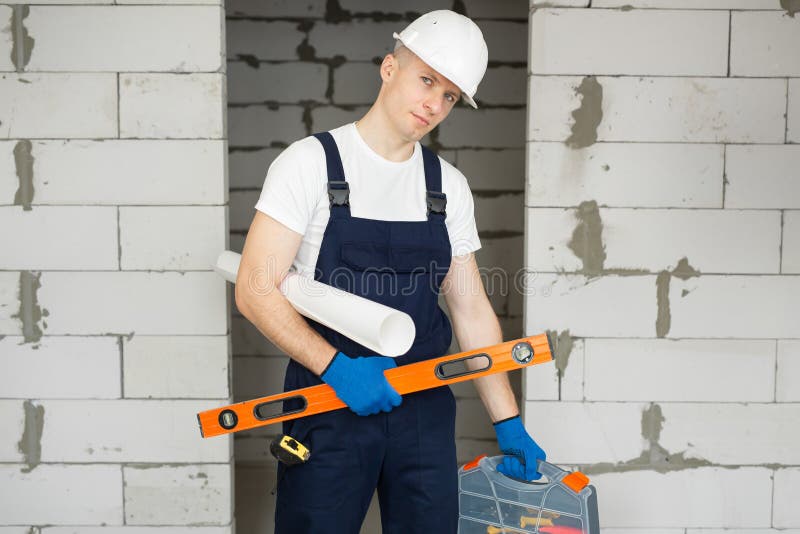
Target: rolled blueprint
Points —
{"points": [[383, 329]]}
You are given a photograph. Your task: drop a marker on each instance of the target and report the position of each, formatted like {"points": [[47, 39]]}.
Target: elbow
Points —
{"points": [[241, 298]]}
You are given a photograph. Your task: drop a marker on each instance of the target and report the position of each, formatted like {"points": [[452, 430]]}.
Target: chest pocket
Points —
{"points": [[361, 256]]}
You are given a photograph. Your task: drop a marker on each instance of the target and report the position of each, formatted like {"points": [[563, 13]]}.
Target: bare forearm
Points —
{"points": [[482, 330], [275, 317]]}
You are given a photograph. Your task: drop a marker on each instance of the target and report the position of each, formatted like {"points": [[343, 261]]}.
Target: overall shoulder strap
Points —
{"points": [[435, 199], [338, 188]]}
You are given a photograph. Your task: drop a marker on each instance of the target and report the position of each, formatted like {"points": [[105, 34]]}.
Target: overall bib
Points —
{"points": [[408, 455]]}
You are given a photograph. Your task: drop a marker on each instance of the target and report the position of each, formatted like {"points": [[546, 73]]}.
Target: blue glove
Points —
{"points": [[361, 384], [523, 452]]}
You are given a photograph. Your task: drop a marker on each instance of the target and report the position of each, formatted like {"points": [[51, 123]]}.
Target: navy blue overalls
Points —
{"points": [[408, 454]]}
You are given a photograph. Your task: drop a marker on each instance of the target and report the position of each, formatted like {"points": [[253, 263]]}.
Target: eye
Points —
{"points": [[450, 98], [426, 80]]}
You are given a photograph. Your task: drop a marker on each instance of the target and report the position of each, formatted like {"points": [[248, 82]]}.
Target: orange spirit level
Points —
{"points": [[409, 378]]}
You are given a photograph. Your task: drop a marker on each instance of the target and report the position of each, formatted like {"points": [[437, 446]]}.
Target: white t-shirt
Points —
{"points": [[295, 192]]}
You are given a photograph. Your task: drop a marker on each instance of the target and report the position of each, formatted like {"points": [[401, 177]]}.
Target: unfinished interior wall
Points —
{"points": [[296, 68], [113, 329], [663, 223]]}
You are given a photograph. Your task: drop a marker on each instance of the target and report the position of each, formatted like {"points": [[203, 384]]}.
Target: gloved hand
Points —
{"points": [[361, 384], [523, 452]]}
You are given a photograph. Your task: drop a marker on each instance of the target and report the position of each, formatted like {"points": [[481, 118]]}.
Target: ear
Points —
{"points": [[389, 67]]}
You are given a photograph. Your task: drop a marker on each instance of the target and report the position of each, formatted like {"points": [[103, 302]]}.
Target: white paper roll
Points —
{"points": [[228, 265], [383, 329]]}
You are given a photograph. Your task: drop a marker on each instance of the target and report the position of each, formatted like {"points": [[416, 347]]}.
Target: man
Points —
{"points": [[367, 209]]}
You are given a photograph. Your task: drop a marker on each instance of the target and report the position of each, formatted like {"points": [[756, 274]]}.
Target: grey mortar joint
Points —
{"points": [[587, 238], [562, 349], [682, 271], [22, 42], [30, 313], [791, 6], [23, 162], [588, 115], [655, 457], [30, 445]]}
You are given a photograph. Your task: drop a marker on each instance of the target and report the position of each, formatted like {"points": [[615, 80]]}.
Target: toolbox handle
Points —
{"points": [[574, 480], [551, 471]]}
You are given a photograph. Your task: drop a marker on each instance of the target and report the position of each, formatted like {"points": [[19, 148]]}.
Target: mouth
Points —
{"points": [[421, 121]]}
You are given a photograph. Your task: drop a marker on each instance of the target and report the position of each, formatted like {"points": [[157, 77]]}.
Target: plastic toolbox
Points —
{"points": [[492, 503]]}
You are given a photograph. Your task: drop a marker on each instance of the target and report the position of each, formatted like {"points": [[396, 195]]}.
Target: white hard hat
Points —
{"points": [[453, 45]]}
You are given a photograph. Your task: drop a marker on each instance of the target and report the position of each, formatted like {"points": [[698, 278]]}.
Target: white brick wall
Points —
{"points": [[176, 367], [171, 105], [703, 497], [654, 240], [579, 304], [673, 37], [57, 366], [115, 172], [731, 434], [764, 44], [788, 371], [586, 433], [542, 382], [786, 513], [710, 297], [81, 208], [171, 238], [12, 415], [62, 494], [793, 112], [101, 431], [676, 118], [636, 175], [679, 370], [60, 237], [690, 4], [178, 495], [80, 105], [130, 38], [91, 303], [134, 530], [665, 109], [790, 260], [762, 176]]}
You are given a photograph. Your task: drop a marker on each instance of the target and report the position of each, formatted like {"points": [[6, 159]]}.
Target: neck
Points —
{"points": [[377, 131]]}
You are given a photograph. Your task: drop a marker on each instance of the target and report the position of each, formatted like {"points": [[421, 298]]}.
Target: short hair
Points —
{"points": [[401, 52]]}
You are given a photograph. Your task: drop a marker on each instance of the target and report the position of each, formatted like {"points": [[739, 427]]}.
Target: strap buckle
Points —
{"points": [[437, 202], [339, 193]]}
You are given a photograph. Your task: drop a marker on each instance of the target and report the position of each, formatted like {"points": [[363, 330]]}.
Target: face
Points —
{"points": [[417, 97]]}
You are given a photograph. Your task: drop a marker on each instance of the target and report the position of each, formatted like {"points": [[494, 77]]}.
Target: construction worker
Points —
{"points": [[366, 208]]}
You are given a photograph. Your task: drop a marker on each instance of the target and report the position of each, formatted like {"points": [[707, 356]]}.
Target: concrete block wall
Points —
{"points": [[662, 202], [296, 68], [113, 328]]}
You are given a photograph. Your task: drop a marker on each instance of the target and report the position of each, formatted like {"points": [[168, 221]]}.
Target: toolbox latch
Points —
{"points": [[576, 481]]}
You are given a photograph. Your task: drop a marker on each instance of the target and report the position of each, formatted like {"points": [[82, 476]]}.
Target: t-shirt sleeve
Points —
{"points": [[293, 184], [460, 219]]}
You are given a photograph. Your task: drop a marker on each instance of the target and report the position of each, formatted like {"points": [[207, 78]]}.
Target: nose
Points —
{"points": [[433, 104]]}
